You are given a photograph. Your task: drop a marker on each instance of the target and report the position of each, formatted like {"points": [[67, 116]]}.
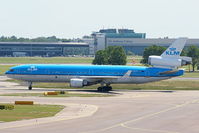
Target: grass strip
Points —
{"points": [[24, 112], [161, 85]]}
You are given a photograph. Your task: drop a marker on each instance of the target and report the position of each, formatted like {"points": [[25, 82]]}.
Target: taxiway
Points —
{"points": [[127, 112]]}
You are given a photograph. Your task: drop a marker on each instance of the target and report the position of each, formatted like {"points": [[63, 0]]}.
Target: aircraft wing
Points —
{"points": [[100, 77], [127, 74]]}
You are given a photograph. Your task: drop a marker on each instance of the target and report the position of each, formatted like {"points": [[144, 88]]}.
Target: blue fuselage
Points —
{"points": [[63, 73], [90, 70]]}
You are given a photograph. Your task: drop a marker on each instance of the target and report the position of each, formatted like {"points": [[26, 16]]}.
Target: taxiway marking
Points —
{"points": [[123, 124]]}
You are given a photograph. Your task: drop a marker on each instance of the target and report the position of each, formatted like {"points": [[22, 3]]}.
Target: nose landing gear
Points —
{"points": [[30, 86]]}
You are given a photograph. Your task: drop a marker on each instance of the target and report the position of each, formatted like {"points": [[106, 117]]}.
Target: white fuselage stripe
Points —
{"points": [[66, 78]]}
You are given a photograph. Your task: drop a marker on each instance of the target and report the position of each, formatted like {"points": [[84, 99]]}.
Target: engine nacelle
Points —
{"points": [[186, 60], [78, 83], [160, 61]]}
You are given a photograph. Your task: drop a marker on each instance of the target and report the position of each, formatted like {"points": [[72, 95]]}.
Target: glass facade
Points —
{"points": [[75, 51], [137, 50], [122, 33], [45, 50], [126, 35]]}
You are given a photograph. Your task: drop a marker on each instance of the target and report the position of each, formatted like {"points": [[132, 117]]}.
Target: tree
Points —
{"points": [[100, 58], [38, 39], [113, 55], [193, 52], [152, 50], [183, 53], [117, 56], [13, 38]]}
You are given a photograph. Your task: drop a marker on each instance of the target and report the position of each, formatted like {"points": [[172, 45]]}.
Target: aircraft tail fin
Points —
{"points": [[175, 48]]}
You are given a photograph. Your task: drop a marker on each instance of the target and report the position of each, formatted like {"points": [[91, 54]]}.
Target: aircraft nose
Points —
{"points": [[7, 72]]}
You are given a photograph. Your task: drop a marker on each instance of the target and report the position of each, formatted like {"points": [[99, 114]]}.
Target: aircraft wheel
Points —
{"points": [[30, 87], [106, 89], [110, 88], [99, 89]]}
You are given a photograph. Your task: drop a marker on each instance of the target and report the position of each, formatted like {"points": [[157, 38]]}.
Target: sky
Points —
{"points": [[76, 18]]}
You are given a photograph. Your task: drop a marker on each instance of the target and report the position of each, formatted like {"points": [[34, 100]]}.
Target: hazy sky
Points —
{"points": [[75, 18]]}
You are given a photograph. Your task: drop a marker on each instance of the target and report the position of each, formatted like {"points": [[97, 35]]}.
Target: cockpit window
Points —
{"points": [[11, 70]]}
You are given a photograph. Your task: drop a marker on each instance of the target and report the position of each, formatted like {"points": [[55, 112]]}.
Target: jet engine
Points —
{"points": [[78, 83], [186, 60], [160, 61]]}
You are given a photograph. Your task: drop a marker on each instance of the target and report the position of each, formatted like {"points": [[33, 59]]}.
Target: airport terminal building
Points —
{"points": [[43, 49], [129, 40]]}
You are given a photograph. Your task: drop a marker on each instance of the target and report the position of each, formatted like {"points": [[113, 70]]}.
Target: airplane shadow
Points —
{"points": [[70, 90], [95, 91]]}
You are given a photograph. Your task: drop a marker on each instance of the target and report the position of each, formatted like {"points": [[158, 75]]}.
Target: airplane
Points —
{"points": [[163, 67]]}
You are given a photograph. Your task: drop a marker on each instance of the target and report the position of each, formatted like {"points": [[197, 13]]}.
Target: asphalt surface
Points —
{"points": [[127, 112]]}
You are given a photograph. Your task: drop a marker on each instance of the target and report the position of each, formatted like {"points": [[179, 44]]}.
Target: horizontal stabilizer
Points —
{"points": [[168, 72]]}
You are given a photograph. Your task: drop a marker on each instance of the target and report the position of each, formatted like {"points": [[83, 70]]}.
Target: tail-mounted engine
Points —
{"points": [[159, 61]]}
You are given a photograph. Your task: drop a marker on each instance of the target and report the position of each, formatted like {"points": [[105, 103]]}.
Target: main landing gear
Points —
{"points": [[30, 86], [104, 88]]}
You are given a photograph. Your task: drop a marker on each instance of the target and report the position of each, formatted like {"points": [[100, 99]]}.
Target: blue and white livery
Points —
{"points": [[164, 67]]}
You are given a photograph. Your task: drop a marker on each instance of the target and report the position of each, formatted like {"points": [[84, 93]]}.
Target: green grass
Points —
{"points": [[161, 85], [24, 112], [43, 60], [191, 74], [59, 95], [55, 60], [134, 59]]}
